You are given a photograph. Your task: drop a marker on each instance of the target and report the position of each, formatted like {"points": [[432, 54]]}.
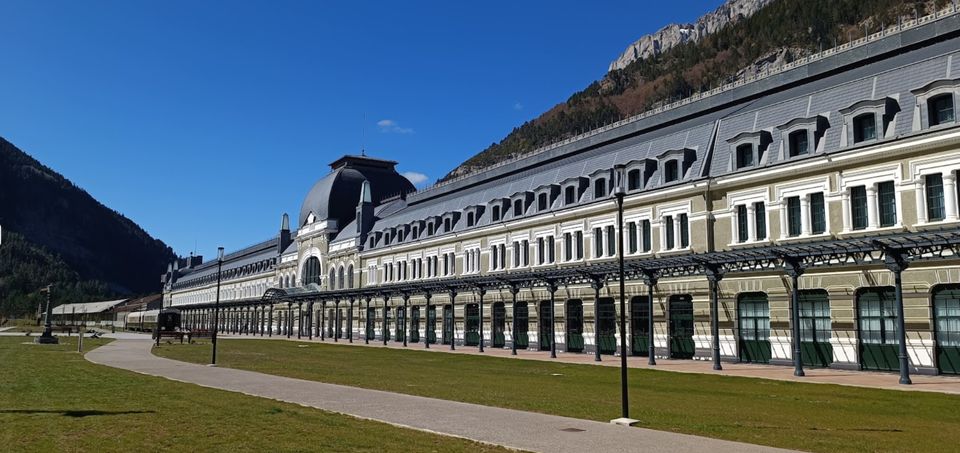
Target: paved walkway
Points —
{"points": [[510, 428], [869, 379]]}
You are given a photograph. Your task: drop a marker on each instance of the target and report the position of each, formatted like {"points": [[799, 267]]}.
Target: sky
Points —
{"points": [[205, 121]]}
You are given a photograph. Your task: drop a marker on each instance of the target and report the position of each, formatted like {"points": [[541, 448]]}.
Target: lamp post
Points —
{"points": [[619, 193], [216, 308], [47, 336]]}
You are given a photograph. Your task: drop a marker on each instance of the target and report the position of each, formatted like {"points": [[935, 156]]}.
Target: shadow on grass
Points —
{"points": [[74, 414]]}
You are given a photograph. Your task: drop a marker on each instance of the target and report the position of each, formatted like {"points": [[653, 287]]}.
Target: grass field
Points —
{"points": [[814, 417], [51, 399]]}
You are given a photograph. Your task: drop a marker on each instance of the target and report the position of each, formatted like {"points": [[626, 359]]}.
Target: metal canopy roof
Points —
{"points": [[875, 250]]}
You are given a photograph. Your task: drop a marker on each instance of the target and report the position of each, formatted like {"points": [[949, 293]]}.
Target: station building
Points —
{"points": [[807, 216]]}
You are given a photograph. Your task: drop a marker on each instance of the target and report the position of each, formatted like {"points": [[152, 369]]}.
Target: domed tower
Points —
{"points": [[334, 198]]}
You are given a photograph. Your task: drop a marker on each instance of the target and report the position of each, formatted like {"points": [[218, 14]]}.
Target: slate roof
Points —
{"points": [[86, 307], [890, 71]]}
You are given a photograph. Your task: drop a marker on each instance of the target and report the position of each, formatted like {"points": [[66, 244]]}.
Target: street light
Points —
{"points": [[618, 194], [216, 308]]}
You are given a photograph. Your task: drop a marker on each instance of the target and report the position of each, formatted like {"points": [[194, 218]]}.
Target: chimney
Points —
{"points": [[364, 211], [284, 241]]}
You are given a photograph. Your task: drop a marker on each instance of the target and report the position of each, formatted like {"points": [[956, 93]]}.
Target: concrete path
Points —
{"points": [[509, 428], [869, 379]]}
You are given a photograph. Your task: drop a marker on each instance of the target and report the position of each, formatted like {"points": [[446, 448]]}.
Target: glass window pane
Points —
{"points": [[887, 201], [935, 205]]}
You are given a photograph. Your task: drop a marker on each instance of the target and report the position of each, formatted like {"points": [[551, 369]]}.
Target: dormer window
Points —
{"points": [[517, 208], [745, 157], [671, 171], [864, 127], [431, 229], [799, 143], [633, 179], [749, 149], [569, 195], [867, 121], [542, 203], [470, 219], [936, 103], [495, 213], [416, 231], [447, 225], [599, 188], [940, 109]]}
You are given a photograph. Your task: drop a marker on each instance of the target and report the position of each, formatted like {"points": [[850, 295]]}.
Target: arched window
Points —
{"points": [[332, 281], [340, 278], [940, 109], [350, 276], [864, 128], [633, 179], [311, 271]]}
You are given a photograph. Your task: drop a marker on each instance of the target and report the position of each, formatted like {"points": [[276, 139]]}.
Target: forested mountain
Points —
{"points": [[55, 232], [776, 33]]}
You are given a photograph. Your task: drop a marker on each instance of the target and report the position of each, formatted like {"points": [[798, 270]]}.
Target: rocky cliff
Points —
{"points": [[675, 34]]}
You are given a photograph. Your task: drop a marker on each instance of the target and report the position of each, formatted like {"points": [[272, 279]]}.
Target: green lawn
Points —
{"points": [[51, 399], [813, 417]]}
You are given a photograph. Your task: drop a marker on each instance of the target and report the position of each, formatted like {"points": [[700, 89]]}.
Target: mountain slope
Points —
{"points": [[54, 231], [776, 33]]}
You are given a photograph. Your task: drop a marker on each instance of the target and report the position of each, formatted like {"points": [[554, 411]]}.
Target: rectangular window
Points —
{"points": [[551, 250], [597, 242], [745, 156], [858, 207], [671, 171], [668, 220], [542, 202], [646, 236], [760, 211], [567, 247], [526, 253], [684, 231], [887, 203], [516, 254], [578, 236], [493, 257], [540, 251], [495, 213], [818, 213], [935, 206], [518, 208], [611, 241], [632, 236], [742, 223], [794, 227]]}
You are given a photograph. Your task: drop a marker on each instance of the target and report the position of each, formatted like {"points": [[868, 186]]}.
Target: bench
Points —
{"points": [[194, 334], [168, 334]]}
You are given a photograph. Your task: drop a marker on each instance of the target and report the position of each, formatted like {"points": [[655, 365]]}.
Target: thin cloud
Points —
{"points": [[415, 178], [517, 106], [391, 126]]}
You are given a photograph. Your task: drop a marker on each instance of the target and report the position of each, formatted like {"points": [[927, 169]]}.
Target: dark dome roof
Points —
{"points": [[335, 196]]}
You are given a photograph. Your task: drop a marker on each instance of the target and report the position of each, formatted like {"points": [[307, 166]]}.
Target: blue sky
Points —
{"points": [[205, 121]]}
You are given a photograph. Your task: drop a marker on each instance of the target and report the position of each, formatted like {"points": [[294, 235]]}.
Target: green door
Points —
{"points": [[415, 325], [499, 325], [401, 325], [754, 312], [815, 328], [371, 314], [877, 325], [522, 325], [946, 308], [680, 327], [639, 326], [432, 324], [472, 326], [546, 325], [607, 326], [574, 324], [386, 323], [447, 324]]}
